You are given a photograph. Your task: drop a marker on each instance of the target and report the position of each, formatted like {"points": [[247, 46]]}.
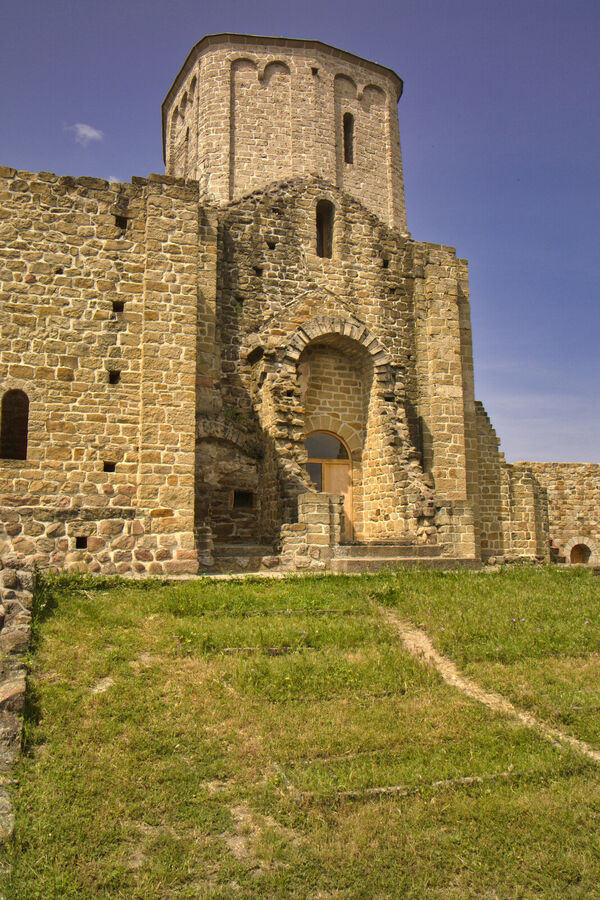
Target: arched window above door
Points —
{"points": [[323, 445], [330, 469]]}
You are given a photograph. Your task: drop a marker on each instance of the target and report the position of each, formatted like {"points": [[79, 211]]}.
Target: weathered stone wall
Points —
{"points": [[177, 341], [494, 511], [573, 493], [274, 291], [513, 505], [98, 306], [16, 598], [309, 543], [246, 111], [526, 526], [228, 490]]}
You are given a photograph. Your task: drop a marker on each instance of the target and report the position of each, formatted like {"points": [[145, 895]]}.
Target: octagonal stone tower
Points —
{"points": [[247, 111]]}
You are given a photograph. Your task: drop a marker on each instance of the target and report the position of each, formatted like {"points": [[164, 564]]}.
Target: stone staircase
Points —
{"points": [[379, 556], [237, 558]]}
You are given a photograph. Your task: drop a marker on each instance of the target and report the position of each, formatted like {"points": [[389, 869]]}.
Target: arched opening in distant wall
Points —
{"points": [[14, 426], [580, 553]]}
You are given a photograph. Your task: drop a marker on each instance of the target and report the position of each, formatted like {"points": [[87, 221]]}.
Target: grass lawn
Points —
{"points": [[224, 739]]}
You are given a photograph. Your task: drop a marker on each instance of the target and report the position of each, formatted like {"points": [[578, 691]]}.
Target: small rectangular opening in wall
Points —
{"points": [[81, 542], [243, 500], [258, 271], [109, 466], [121, 222], [114, 376], [255, 355], [118, 306], [385, 263], [325, 217]]}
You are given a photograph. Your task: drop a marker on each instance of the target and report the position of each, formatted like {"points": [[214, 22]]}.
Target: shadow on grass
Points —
{"points": [[32, 716]]}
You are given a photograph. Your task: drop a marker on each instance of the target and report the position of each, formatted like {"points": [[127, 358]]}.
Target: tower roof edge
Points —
{"points": [[249, 40]]}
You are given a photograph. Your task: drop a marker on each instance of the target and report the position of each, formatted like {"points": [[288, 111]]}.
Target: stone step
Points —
{"points": [[243, 549], [244, 558], [382, 564], [390, 551]]}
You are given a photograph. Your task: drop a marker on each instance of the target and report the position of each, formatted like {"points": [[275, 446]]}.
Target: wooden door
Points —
{"points": [[330, 470]]}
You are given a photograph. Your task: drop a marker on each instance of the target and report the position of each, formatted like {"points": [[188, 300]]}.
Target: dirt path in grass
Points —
{"points": [[418, 644]]}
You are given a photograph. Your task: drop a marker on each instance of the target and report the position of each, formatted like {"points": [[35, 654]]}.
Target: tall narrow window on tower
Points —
{"points": [[15, 422], [325, 213], [348, 123]]}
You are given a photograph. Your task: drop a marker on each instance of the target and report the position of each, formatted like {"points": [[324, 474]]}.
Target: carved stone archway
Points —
{"points": [[349, 328]]}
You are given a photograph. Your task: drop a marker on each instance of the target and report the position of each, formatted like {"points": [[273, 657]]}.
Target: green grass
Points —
{"points": [[532, 635], [196, 740]]}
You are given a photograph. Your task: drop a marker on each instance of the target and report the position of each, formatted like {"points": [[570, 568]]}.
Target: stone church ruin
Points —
{"points": [[249, 362]]}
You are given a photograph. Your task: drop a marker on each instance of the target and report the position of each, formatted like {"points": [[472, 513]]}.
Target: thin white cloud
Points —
{"points": [[85, 134], [113, 179]]}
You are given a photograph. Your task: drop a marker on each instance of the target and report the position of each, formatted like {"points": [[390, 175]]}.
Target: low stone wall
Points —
{"points": [[108, 541], [16, 597], [573, 491]]}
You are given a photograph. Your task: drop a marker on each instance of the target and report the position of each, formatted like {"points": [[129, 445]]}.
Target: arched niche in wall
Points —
{"points": [[260, 145], [581, 550], [361, 142], [335, 377], [227, 487], [14, 425]]}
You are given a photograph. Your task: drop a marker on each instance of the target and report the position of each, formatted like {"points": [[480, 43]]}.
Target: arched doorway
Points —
{"points": [[330, 469], [580, 553]]}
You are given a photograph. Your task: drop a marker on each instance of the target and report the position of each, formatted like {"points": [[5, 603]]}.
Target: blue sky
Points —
{"points": [[500, 130]]}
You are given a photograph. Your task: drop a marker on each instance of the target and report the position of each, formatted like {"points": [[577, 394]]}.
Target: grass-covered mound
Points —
{"points": [[223, 739]]}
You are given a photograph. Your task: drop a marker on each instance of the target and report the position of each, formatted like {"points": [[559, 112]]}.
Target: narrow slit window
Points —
{"points": [[348, 138], [15, 424], [325, 214], [121, 222]]}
